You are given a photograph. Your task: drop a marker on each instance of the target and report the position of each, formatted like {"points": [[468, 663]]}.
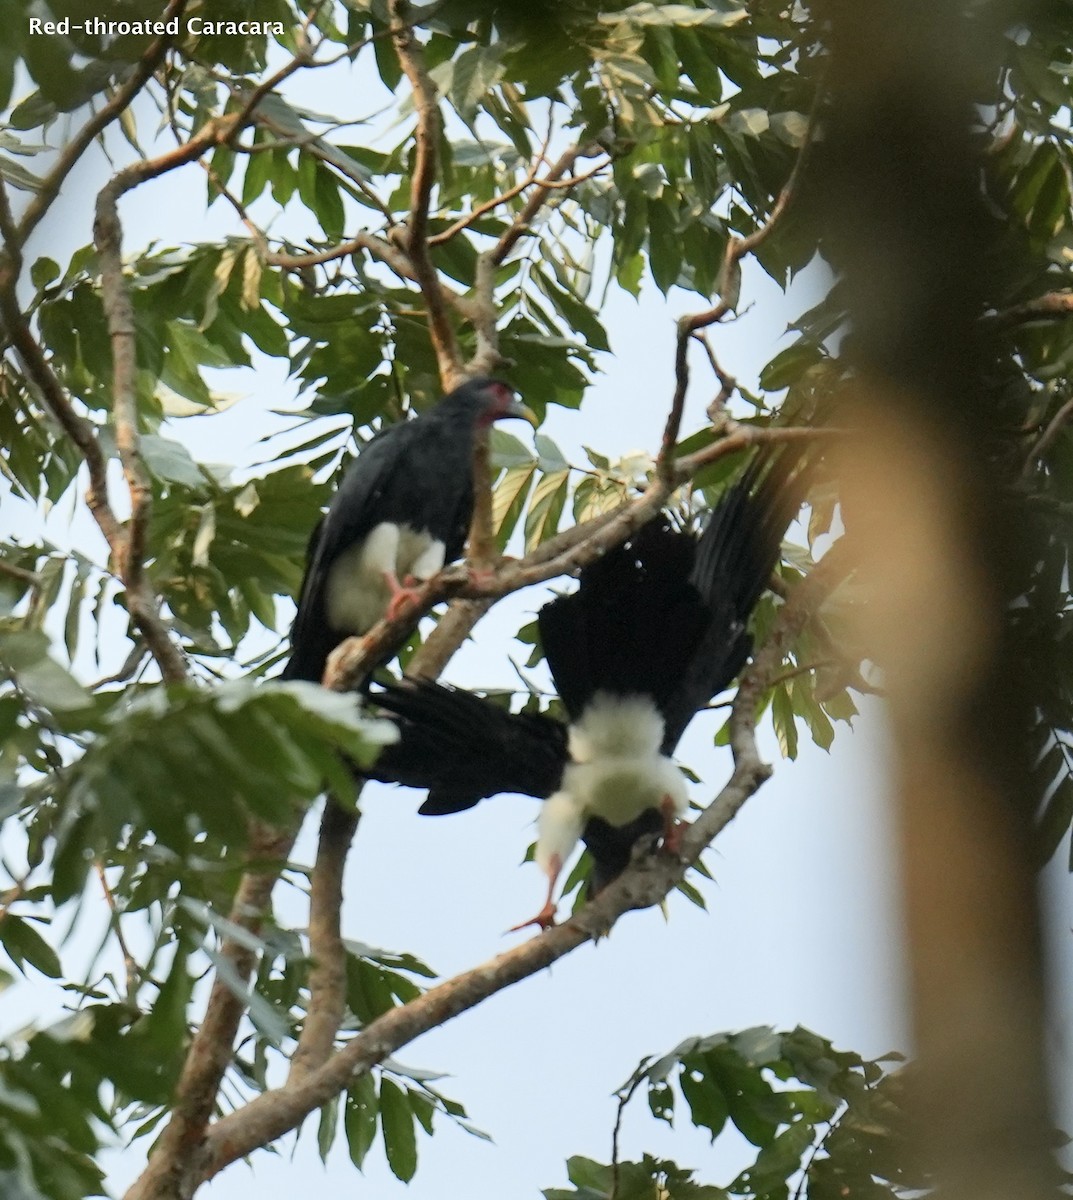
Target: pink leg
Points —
{"points": [[401, 594], [672, 828], [545, 919]]}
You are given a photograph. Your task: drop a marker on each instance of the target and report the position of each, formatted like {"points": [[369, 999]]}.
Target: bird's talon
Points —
{"points": [[545, 919], [404, 597]]}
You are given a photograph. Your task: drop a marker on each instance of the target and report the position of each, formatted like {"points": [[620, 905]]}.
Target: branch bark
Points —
{"points": [[327, 974], [129, 548], [172, 1168], [350, 662], [427, 135]]}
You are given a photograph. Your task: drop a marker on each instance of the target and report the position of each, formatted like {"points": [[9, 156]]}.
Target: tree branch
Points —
{"points": [[1051, 304], [142, 604], [426, 137], [39, 372], [729, 288], [520, 225], [327, 975], [441, 644], [349, 663], [180, 1147]]}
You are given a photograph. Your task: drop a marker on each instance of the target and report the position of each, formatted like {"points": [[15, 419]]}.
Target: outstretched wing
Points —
{"points": [[463, 748], [632, 625], [735, 556]]}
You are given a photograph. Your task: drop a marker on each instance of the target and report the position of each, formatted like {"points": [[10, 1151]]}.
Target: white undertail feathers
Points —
{"points": [[616, 771]]}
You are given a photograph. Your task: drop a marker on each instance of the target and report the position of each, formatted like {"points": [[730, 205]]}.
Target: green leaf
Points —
{"points": [[546, 507], [25, 945], [717, 16], [359, 1118], [327, 1127], [397, 1124], [664, 245], [508, 500], [782, 715], [707, 1105]]}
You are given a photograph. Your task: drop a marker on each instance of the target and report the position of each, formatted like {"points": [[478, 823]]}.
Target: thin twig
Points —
{"points": [[729, 287], [728, 385], [30, 578], [520, 225], [623, 1099], [302, 58], [130, 963], [81, 431]]}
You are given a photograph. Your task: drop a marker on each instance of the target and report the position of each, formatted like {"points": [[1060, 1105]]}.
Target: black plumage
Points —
{"points": [[402, 510], [655, 628]]}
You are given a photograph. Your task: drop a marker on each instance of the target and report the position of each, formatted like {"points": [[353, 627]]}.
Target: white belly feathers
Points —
{"points": [[358, 591], [616, 771]]}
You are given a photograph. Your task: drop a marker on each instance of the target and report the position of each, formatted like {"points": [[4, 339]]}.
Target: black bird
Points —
{"points": [[654, 630], [401, 512]]}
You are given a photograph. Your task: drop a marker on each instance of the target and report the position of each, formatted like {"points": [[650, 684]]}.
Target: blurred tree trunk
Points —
{"points": [[944, 551]]}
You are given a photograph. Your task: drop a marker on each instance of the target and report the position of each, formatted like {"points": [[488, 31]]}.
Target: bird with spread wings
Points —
{"points": [[655, 629]]}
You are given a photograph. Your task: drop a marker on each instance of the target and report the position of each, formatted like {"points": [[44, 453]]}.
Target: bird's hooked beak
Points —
{"points": [[517, 409]]}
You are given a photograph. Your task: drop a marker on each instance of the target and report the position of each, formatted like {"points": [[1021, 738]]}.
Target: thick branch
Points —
{"points": [[481, 543], [168, 1174], [350, 662], [142, 604], [327, 975], [426, 137], [451, 631]]}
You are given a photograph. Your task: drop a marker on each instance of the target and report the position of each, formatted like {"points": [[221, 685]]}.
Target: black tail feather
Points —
{"points": [[462, 747]]}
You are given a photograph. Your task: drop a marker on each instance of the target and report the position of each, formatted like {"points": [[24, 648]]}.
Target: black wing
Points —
{"points": [[665, 615], [353, 512], [463, 748], [735, 556], [633, 624]]}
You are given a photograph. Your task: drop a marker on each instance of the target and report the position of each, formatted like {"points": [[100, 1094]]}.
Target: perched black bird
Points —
{"points": [[401, 512], [654, 630]]}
